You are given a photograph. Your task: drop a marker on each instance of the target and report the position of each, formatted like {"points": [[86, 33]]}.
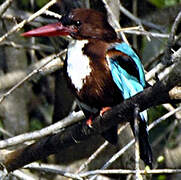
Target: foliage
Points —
{"points": [[164, 3], [35, 124], [41, 3]]}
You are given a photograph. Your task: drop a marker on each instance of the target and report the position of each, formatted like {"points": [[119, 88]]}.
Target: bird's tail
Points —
{"points": [[144, 144]]}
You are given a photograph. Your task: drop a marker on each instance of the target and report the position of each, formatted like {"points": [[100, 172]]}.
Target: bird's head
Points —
{"points": [[79, 24]]}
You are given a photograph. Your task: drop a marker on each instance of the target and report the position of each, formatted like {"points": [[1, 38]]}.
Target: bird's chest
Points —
{"points": [[78, 64], [89, 76]]}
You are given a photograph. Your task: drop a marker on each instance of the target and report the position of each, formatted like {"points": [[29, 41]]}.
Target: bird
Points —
{"points": [[101, 69]]}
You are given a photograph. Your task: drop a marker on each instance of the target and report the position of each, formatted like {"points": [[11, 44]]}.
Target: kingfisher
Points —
{"points": [[101, 70]]}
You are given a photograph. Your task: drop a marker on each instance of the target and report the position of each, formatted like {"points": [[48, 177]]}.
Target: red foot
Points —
{"points": [[104, 109], [89, 122]]}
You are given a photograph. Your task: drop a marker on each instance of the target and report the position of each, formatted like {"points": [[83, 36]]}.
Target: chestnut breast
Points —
{"points": [[89, 75]]}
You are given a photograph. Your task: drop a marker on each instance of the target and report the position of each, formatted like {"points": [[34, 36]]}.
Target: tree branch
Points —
{"points": [[5, 6], [31, 18], [80, 132]]}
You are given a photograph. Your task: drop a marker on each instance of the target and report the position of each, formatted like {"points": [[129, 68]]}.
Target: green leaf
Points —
{"points": [[41, 3], [35, 124], [158, 3], [161, 177], [164, 3]]}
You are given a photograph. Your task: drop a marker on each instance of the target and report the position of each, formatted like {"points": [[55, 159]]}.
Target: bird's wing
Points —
{"points": [[128, 74], [127, 70]]}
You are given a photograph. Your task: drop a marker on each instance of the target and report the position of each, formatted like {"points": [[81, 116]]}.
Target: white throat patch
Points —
{"points": [[78, 67]]}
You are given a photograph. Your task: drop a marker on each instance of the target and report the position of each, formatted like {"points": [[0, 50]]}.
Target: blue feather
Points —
{"points": [[125, 48], [128, 84]]}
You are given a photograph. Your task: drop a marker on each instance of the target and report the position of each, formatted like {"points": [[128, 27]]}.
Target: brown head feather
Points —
{"points": [[93, 25]]}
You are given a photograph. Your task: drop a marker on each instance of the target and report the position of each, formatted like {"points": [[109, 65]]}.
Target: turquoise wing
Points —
{"points": [[127, 81]]}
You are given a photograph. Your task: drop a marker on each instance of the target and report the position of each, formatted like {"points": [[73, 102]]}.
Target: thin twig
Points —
{"points": [[129, 177], [160, 76], [130, 15], [3, 96], [174, 27], [99, 150], [153, 59], [23, 176], [115, 20], [171, 41], [137, 148], [10, 79], [53, 169], [165, 72], [93, 156], [3, 131], [135, 12], [146, 33], [164, 117], [123, 171], [14, 13], [31, 18], [57, 170], [38, 47], [54, 128], [5, 6], [157, 69], [137, 20], [164, 135], [53, 14]]}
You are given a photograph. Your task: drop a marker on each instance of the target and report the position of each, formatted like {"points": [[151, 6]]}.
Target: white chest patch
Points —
{"points": [[78, 67]]}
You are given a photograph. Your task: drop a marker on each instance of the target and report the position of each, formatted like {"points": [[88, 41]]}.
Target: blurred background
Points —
{"points": [[45, 98]]}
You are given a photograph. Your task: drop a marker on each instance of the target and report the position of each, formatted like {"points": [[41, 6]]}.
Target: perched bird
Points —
{"points": [[101, 70]]}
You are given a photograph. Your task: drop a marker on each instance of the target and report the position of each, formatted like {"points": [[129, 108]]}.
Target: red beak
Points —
{"points": [[56, 29]]}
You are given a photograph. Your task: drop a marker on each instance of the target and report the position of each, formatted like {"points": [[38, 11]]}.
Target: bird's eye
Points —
{"points": [[77, 23]]}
